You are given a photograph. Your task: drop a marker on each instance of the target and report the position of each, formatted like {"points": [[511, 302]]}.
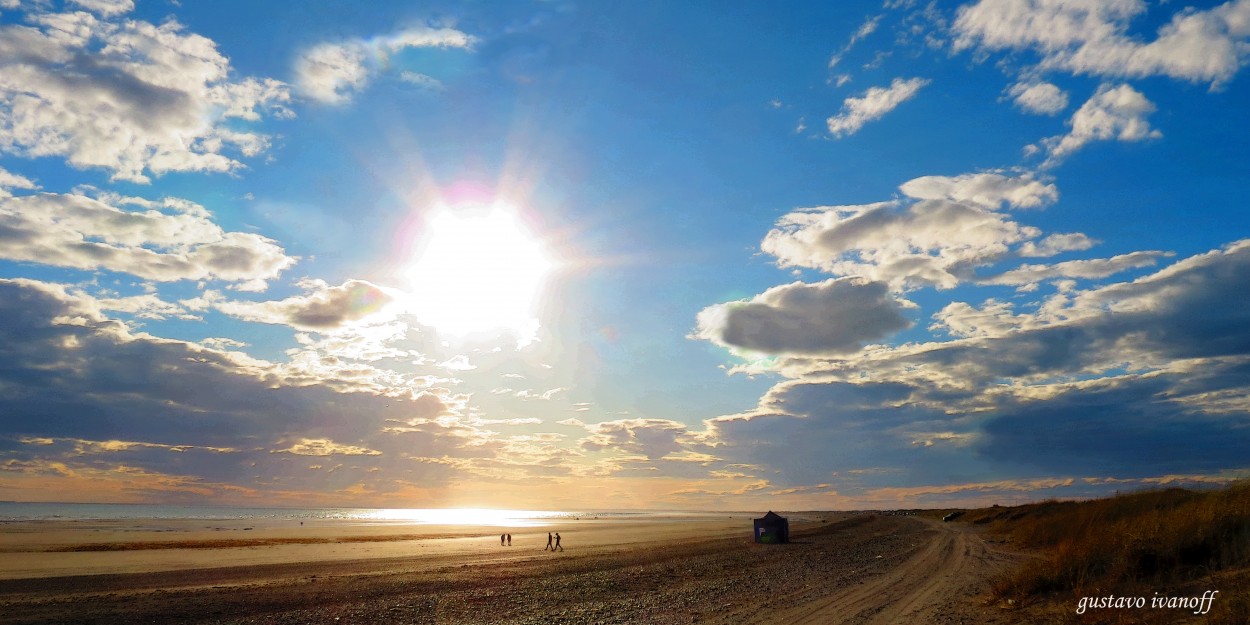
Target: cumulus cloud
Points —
{"points": [[873, 105], [1041, 98], [321, 308], [925, 243], [1092, 37], [129, 97], [170, 241], [1076, 387], [332, 72], [834, 316], [1112, 114], [988, 189]]}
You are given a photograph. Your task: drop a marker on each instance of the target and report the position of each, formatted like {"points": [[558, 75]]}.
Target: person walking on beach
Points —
{"points": [[549, 543], [509, 540], [501, 539], [558, 543]]}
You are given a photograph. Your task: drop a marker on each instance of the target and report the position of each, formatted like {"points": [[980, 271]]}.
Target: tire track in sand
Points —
{"points": [[922, 589]]}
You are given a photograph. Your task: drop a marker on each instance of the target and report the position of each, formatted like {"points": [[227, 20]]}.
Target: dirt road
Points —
{"points": [[945, 581]]}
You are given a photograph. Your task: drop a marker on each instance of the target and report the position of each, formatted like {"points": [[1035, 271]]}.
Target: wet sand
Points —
{"points": [[839, 568]]}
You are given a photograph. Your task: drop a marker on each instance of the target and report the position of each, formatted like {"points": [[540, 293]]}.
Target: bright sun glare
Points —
{"points": [[479, 269]]}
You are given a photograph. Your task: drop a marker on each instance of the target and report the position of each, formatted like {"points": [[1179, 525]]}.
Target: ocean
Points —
{"points": [[20, 511]]}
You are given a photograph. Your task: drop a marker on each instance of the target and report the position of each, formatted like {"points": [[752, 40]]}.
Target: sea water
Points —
{"points": [[21, 511]]}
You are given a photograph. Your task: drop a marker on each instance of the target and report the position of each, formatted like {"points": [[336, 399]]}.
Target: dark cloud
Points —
{"points": [[77, 388], [835, 316], [1126, 428]]}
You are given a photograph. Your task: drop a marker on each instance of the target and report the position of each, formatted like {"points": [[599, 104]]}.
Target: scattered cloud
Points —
{"points": [[1054, 244], [325, 447], [1112, 114], [873, 105], [867, 28], [1041, 98], [332, 72], [106, 8]]}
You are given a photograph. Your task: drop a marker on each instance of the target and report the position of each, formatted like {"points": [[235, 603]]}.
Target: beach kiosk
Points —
{"points": [[772, 528]]}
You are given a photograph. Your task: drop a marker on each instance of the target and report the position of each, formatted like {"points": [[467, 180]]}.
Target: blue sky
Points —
{"points": [[653, 255]]}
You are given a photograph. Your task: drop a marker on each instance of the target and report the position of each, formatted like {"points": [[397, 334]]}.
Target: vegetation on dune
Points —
{"points": [[1147, 544]]}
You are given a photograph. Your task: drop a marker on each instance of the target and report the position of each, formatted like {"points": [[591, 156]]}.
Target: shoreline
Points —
{"points": [[41, 549], [711, 572]]}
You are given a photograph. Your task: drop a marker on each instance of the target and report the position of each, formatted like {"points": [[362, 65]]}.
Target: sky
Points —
{"points": [[649, 255]]}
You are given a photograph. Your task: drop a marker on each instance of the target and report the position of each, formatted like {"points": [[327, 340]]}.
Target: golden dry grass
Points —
{"points": [[1166, 542]]}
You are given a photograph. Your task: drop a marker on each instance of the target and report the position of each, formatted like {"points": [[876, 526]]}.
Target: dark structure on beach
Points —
{"points": [[772, 528]]}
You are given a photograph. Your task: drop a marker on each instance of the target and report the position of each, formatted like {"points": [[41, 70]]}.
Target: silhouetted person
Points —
{"points": [[509, 540], [501, 536], [558, 543], [549, 543]]}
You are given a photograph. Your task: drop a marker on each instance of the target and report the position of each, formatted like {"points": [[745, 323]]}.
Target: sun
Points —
{"points": [[477, 270]]}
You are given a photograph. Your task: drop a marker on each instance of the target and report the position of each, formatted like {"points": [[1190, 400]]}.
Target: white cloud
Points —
{"points": [[993, 318], [107, 8], [1111, 114], [1042, 98], [834, 316], [322, 308], [71, 230], [926, 243], [1056, 244], [333, 72], [423, 81], [989, 189], [146, 306], [867, 28], [1091, 37], [129, 97], [1087, 268], [874, 104]]}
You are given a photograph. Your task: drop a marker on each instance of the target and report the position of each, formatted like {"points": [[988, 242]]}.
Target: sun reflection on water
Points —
{"points": [[464, 516]]}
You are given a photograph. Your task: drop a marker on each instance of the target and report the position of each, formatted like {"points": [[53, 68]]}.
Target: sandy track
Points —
{"points": [[945, 581]]}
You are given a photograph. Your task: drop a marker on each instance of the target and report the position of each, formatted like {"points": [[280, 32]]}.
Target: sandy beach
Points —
{"points": [[839, 568]]}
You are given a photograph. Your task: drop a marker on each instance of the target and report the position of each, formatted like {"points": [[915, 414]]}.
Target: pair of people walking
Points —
{"points": [[557, 544], [507, 536]]}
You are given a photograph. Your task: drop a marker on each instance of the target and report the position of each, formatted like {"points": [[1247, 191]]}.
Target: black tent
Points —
{"points": [[772, 528]]}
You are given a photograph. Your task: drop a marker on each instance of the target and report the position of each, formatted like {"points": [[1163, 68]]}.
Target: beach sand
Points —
{"points": [[839, 568]]}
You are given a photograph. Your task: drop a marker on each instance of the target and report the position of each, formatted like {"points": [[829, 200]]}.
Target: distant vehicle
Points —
{"points": [[952, 516]]}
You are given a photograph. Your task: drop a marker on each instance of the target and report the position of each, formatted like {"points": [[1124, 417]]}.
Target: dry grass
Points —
{"points": [[1170, 542]]}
